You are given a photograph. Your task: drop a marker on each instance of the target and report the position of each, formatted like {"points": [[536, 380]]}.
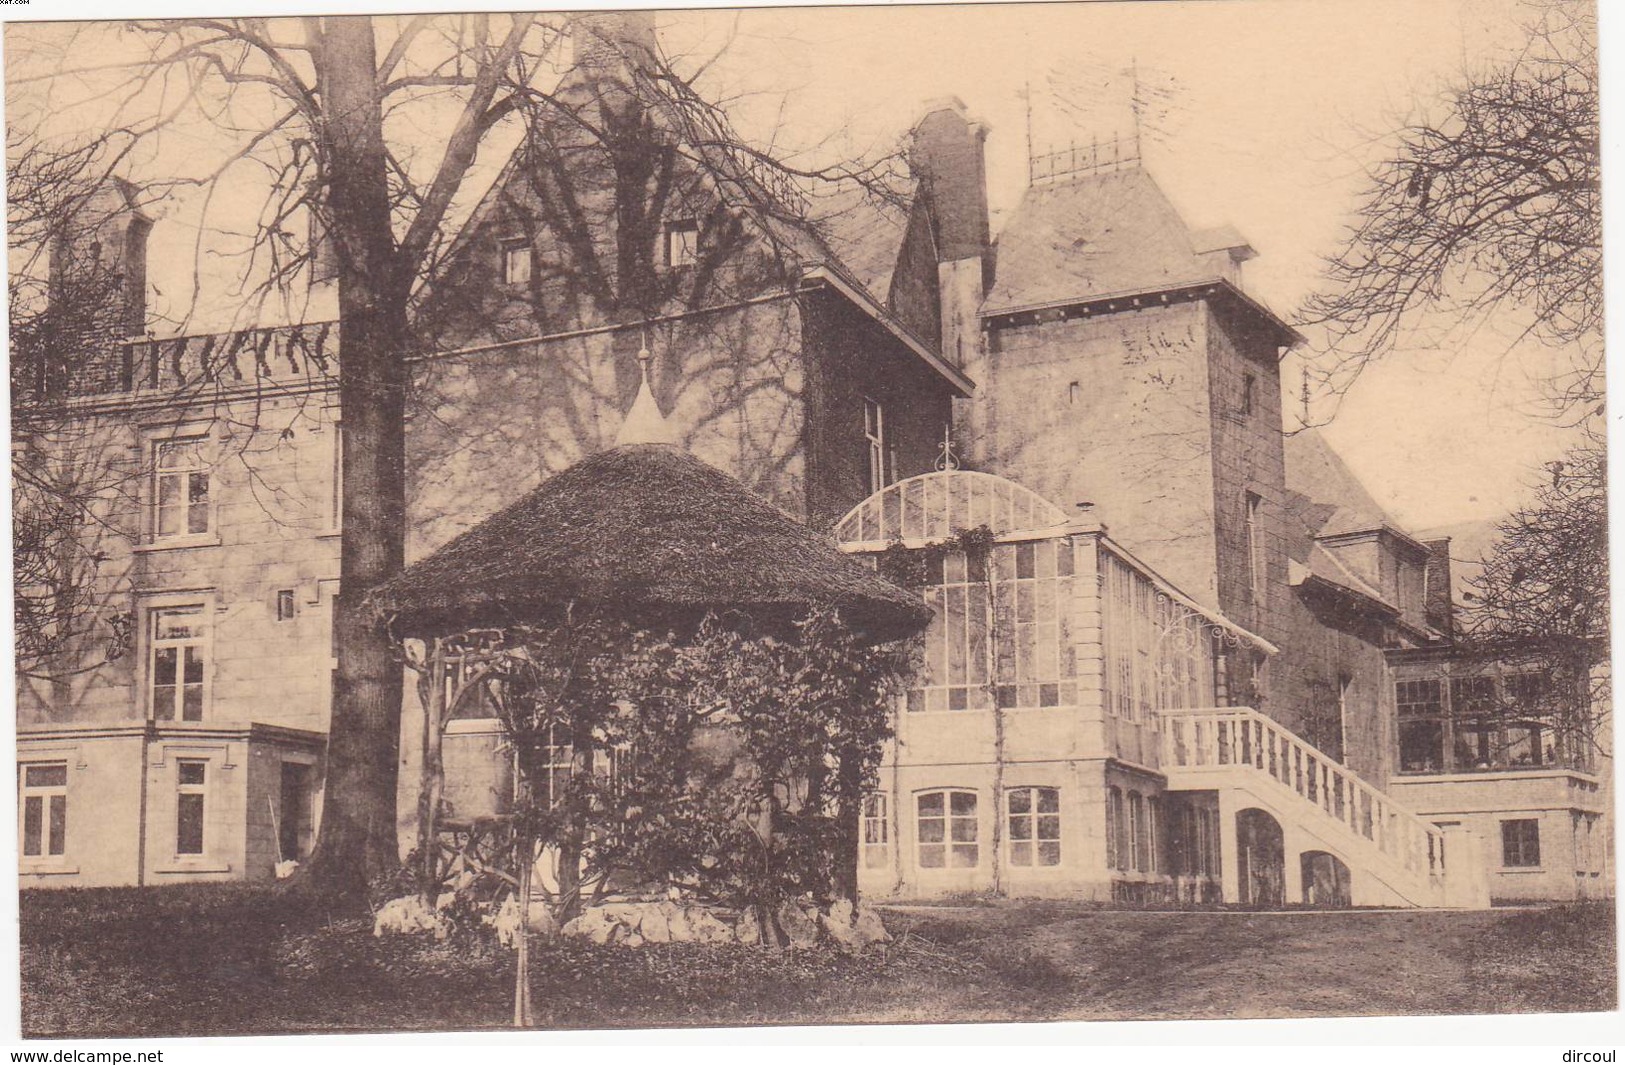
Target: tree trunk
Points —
{"points": [[432, 779], [358, 832], [526, 853], [849, 814]]}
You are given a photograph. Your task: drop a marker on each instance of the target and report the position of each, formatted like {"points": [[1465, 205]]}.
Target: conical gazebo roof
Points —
{"points": [[652, 533]]}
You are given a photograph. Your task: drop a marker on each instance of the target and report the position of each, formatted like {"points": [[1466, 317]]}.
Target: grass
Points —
{"points": [[240, 959]]}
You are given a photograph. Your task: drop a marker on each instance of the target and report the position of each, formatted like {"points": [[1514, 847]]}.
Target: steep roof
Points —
{"points": [[1319, 473], [1101, 234], [865, 234], [1324, 498], [650, 532]]}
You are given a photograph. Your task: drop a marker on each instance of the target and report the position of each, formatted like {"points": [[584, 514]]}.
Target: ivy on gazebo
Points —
{"points": [[726, 761]]}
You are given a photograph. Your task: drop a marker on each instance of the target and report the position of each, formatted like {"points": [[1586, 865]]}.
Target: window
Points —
{"points": [[178, 657], [1035, 826], [1249, 391], [1153, 834], [561, 765], [295, 821], [1476, 731], [180, 491], [1421, 726], [191, 789], [874, 432], [682, 243], [336, 503], [284, 605], [947, 830], [1256, 562], [516, 261], [1520, 844], [876, 831], [45, 810], [1139, 836], [1116, 830]]}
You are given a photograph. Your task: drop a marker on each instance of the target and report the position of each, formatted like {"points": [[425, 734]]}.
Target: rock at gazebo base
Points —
{"points": [[634, 924]]}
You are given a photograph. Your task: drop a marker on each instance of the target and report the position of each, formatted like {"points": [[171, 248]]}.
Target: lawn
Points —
{"points": [[234, 959]]}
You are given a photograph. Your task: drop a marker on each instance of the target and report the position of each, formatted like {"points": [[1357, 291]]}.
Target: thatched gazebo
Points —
{"points": [[654, 539], [653, 534]]}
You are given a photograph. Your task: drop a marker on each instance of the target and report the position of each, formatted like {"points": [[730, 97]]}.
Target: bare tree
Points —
{"points": [[65, 623], [1539, 606], [1496, 206], [371, 127]]}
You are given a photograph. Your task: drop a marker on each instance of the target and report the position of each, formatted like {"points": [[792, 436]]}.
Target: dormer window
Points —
{"points": [[516, 261], [682, 243]]}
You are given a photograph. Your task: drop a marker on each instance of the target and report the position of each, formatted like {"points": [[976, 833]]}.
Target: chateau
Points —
{"points": [[1188, 658]]}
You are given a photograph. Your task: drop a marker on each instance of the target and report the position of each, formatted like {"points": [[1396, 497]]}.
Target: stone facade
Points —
{"points": [[1139, 383]]}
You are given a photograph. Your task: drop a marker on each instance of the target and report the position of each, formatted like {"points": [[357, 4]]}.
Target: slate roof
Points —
{"points": [[1313, 468], [1324, 498], [1103, 234]]}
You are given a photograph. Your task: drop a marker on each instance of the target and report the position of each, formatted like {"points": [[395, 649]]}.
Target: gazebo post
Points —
{"points": [[432, 773]]}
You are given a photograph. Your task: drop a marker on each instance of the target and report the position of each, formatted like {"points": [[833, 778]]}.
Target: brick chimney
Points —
{"points": [[606, 42], [96, 293], [105, 241], [946, 155], [1439, 602]]}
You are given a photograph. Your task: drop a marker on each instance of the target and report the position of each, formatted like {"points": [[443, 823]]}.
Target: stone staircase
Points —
{"points": [[1393, 857]]}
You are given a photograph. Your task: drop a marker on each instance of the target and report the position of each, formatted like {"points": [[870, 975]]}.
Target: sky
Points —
{"points": [[1260, 114]]}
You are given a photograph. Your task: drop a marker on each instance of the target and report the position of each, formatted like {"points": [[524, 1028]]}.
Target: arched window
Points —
{"points": [[1034, 817], [946, 829]]}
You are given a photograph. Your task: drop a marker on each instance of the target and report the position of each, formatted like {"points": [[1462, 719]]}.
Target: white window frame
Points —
{"points": [[518, 261], [183, 789], [874, 434], [153, 611], [185, 474], [1033, 820], [948, 844], [1540, 856], [682, 242], [44, 794], [876, 840]]}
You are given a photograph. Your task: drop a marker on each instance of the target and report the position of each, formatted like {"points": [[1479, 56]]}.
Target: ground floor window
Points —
{"points": [[1035, 826], [947, 830], [45, 810], [191, 792], [876, 831], [1139, 833], [1117, 848], [1520, 843]]}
